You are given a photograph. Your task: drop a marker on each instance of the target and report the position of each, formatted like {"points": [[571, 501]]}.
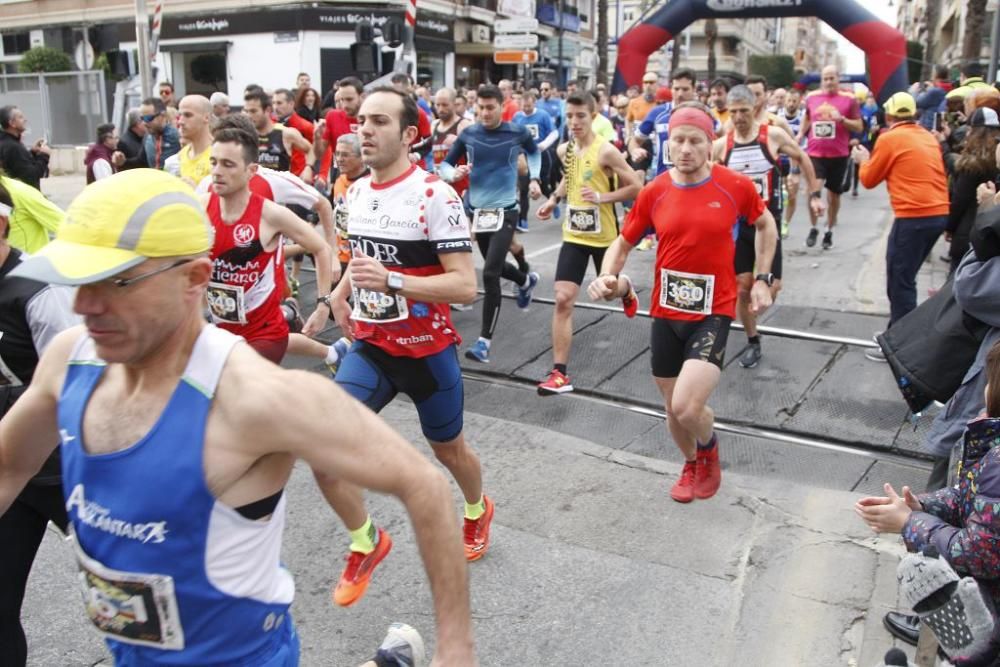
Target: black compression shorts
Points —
{"points": [[673, 342]]}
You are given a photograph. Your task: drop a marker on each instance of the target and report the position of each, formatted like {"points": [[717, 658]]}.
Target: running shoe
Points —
{"points": [[645, 244], [357, 574], [342, 346], [524, 293], [522, 225], [293, 286], [811, 239], [290, 309], [556, 383], [827, 240], [683, 489], [751, 356], [478, 352], [784, 230], [557, 212], [402, 646], [477, 533], [461, 307], [707, 473], [875, 354], [630, 302]]}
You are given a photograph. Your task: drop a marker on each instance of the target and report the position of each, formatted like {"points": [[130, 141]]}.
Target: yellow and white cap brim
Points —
{"points": [[119, 222]]}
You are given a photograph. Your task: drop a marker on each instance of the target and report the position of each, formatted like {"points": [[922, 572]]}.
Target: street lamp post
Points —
{"points": [[142, 39], [562, 73]]}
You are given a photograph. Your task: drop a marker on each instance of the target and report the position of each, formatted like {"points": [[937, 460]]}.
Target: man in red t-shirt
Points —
{"points": [[510, 105], [284, 108], [339, 121], [694, 208]]}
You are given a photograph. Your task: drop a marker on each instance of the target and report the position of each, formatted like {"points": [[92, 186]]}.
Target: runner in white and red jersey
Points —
{"points": [[694, 208], [412, 257], [247, 283]]}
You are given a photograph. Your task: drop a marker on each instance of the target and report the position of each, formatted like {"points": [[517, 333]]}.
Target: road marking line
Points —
{"points": [[550, 248]]}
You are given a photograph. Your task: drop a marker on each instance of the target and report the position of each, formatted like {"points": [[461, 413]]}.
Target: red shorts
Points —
{"points": [[270, 349]]}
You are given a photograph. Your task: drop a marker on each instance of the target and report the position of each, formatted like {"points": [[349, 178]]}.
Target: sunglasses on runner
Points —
{"points": [[149, 117]]}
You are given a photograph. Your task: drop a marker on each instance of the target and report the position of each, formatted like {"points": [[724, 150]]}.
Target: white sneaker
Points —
{"points": [[404, 645]]}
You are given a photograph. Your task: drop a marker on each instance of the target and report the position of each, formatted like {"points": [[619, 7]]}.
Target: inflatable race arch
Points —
{"points": [[884, 46]]}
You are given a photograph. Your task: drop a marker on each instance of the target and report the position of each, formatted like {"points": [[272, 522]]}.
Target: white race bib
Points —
{"points": [[487, 220], [583, 220], [824, 129], [340, 219], [665, 153], [227, 303], [687, 292], [378, 307], [133, 608], [761, 182], [533, 131]]}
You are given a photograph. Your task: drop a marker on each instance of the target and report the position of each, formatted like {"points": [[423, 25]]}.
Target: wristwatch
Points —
{"points": [[818, 194], [395, 281], [325, 300], [768, 278]]}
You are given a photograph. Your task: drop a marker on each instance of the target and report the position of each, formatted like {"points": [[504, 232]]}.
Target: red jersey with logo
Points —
{"points": [[337, 123], [696, 226], [405, 224], [244, 295], [441, 140]]}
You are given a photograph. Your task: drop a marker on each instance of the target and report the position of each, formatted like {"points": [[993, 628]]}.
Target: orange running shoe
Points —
{"points": [[708, 476], [630, 301], [556, 383], [357, 574], [477, 533], [683, 489]]}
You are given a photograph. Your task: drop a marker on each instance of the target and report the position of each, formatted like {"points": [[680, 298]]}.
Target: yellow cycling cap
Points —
{"points": [[119, 222]]}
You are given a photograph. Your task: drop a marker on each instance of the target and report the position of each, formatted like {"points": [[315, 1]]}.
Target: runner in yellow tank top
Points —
{"points": [[590, 226], [194, 123]]}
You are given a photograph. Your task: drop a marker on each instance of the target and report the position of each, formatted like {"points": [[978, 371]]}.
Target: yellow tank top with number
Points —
{"points": [[197, 167], [585, 222]]}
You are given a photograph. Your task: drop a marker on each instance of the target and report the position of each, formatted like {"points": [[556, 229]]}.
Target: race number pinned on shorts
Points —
{"points": [[487, 220], [378, 307], [583, 220], [824, 129], [227, 303], [762, 183], [340, 219], [687, 292], [133, 608]]}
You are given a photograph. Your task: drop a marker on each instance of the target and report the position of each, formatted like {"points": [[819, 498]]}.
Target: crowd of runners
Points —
{"points": [[196, 212]]}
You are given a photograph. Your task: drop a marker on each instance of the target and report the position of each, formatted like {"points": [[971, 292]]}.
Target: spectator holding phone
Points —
{"points": [[16, 159], [930, 99], [975, 165]]}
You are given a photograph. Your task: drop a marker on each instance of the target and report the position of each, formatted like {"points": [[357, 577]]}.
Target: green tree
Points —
{"points": [[779, 70], [914, 60], [45, 59]]}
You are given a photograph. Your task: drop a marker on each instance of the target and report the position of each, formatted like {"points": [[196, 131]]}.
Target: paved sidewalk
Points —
{"points": [[591, 564]]}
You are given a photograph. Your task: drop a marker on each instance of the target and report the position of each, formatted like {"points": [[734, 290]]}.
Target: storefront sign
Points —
{"points": [[520, 8], [549, 15]]}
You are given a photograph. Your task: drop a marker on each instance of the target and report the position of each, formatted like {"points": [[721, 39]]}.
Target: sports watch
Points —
{"points": [[768, 278], [325, 300], [395, 281]]}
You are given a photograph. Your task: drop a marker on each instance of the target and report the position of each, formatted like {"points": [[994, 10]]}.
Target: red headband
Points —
{"points": [[695, 118]]}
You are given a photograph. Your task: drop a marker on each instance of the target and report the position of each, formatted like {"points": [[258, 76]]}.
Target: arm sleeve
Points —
{"points": [[48, 313], [976, 288], [550, 139], [532, 153], [37, 206], [967, 545], [447, 224], [137, 160], [648, 124], [639, 218], [102, 169], [874, 171], [289, 189], [25, 165]]}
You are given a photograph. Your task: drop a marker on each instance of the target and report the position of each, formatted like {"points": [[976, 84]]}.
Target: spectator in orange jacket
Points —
{"points": [[908, 158]]}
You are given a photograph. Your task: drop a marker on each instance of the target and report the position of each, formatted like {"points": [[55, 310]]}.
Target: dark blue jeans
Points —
{"points": [[910, 240]]}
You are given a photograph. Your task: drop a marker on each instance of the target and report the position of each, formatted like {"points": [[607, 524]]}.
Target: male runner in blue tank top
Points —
{"points": [[491, 148], [178, 440]]}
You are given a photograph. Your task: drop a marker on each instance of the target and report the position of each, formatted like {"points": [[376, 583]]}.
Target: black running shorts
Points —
{"points": [[746, 253], [675, 341], [573, 259], [832, 170]]}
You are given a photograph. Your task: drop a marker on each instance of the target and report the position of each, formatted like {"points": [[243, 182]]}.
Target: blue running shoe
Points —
{"points": [[524, 293], [557, 212], [522, 225], [480, 351]]}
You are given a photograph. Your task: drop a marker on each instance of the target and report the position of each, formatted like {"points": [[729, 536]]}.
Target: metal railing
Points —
{"points": [[63, 107]]}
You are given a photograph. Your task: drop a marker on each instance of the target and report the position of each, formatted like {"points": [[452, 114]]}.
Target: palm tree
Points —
{"points": [[602, 41], [975, 25], [711, 34], [675, 56]]}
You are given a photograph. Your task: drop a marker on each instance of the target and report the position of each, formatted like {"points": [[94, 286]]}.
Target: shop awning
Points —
{"points": [[194, 46]]}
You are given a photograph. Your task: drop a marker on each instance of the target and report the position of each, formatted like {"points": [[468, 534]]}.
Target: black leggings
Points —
{"points": [[21, 531], [494, 247]]}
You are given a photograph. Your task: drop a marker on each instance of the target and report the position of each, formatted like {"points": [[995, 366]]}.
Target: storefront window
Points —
{"points": [[430, 69]]}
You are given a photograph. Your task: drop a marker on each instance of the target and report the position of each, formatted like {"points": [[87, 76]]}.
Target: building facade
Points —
{"points": [[947, 33]]}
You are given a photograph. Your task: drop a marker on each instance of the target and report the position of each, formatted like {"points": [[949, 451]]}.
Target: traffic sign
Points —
{"points": [[515, 41], [516, 25], [515, 57]]}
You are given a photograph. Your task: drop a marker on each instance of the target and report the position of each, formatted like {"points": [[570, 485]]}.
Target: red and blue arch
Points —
{"points": [[884, 46]]}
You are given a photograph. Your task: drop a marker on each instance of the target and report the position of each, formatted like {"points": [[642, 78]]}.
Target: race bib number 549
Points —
{"points": [[687, 292]]}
